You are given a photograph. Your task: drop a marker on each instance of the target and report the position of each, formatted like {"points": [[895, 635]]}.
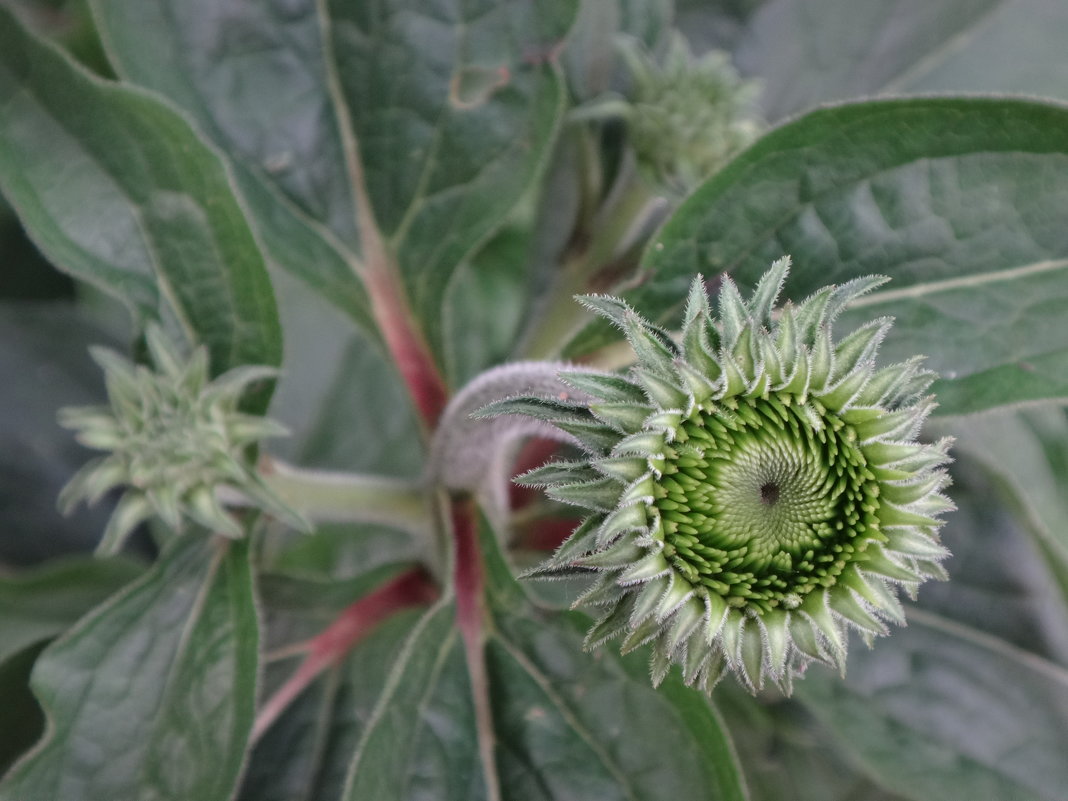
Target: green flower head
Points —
{"points": [[754, 489], [175, 439], [688, 116]]}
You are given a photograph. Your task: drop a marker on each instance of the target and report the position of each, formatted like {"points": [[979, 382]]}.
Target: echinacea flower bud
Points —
{"points": [[688, 116], [175, 439], [754, 489]]}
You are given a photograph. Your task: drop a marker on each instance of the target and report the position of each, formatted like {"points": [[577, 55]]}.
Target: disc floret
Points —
{"points": [[755, 487], [175, 439]]}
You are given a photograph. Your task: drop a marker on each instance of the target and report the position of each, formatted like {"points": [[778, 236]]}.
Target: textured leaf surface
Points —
{"points": [[564, 721], [38, 604], [434, 119], [955, 199], [809, 52], [151, 696], [306, 754], [941, 711], [119, 190]]}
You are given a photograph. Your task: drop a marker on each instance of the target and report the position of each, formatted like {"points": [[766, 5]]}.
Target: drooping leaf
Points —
{"points": [[38, 604], [151, 696], [954, 199], [807, 52], [942, 711], [119, 190], [429, 124]]}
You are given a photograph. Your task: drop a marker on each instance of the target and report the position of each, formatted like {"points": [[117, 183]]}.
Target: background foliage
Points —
{"points": [[261, 175]]}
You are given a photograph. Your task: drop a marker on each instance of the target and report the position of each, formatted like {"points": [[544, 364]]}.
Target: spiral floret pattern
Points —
{"points": [[754, 489]]}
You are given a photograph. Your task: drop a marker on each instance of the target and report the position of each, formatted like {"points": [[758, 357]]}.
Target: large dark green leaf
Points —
{"points": [[430, 122], [957, 200], [942, 711], [151, 696], [565, 724], [118, 189], [812, 51]]}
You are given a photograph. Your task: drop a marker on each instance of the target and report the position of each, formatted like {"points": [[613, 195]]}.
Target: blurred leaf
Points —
{"points": [[1027, 454], [955, 199], [943, 711], [39, 604], [151, 696], [43, 347], [999, 581], [566, 724], [23, 721], [117, 189], [443, 117], [813, 51], [339, 395], [787, 755]]}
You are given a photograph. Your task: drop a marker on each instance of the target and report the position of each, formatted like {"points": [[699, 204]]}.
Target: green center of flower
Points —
{"points": [[763, 500]]}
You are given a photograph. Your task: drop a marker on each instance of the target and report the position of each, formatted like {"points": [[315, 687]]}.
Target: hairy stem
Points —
{"points": [[413, 588], [327, 496]]}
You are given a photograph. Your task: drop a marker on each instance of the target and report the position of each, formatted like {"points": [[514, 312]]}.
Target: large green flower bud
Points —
{"points": [[175, 439], [753, 490]]}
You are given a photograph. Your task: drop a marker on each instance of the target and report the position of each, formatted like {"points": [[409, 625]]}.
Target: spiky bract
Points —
{"points": [[755, 489], [174, 439]]}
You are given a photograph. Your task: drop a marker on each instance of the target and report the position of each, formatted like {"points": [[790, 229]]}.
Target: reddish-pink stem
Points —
{"points": [[412, 588], [469, 581], [407, 346]]}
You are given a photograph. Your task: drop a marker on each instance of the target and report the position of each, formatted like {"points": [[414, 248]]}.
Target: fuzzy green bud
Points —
{"points": [[755, 488], [175, 438]]}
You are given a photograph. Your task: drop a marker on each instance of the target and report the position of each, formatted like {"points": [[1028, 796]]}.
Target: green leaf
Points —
{"points": [[1024, 453], [41, 603], [306, 754], [151, 696], [43, 344], [355, 120], [564, 723], [788, 755], [954, 199], [811, 51], [942, 711], [1003, 578], [118, 189]]}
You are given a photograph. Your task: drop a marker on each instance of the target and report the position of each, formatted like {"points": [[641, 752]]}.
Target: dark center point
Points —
{"points": [[769, 493]]}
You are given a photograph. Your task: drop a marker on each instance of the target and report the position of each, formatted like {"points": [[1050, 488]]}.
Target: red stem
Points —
{"points": [[469, 580], [412, 588], [406, 345]]}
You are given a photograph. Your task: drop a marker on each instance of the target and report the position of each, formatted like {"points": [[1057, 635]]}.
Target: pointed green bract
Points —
{"points": [[763, 497], [174, 439]]}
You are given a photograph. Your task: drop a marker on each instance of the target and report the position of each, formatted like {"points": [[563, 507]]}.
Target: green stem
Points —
{"points": [[337, 497], [563, 317]]}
